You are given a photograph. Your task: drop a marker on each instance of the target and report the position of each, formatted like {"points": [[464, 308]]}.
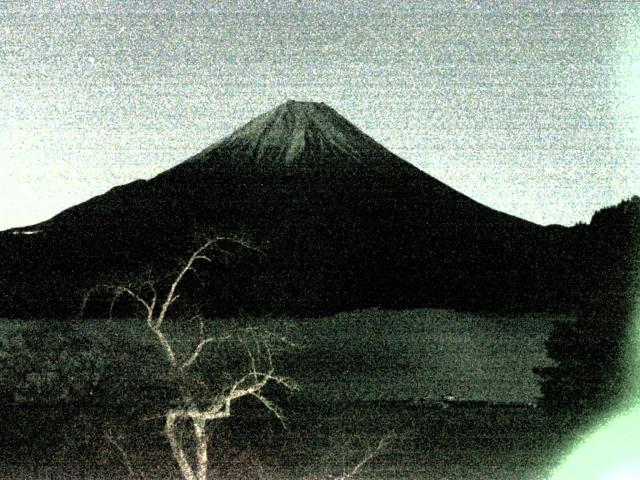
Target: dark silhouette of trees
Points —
{"points": [[592, 352]]}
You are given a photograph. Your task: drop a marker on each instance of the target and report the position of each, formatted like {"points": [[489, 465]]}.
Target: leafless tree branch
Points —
{"points": [[256, 344], [123, 454], [366, 459], [196, 353]]}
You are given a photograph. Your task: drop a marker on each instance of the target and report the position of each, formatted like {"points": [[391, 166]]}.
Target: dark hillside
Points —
{"points": [[342, 222]]}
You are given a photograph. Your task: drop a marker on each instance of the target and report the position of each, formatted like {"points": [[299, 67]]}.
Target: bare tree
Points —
{"points": [[194, 409]]}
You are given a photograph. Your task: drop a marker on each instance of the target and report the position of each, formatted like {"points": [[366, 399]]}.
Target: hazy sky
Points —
{"points": [[531, 107]]}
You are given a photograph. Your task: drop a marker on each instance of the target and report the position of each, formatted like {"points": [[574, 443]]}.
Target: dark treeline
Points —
{"points": [[593, 353]]}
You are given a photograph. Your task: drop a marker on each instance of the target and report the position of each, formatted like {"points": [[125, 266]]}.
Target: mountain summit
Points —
{"points": [[306, 134], [342, 223]]}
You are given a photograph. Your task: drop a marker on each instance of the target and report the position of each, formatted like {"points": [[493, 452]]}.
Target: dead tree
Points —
{"points": [[216, 405]]}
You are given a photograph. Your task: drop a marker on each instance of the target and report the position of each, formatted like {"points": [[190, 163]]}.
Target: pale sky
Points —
{"points": [[530, 107]]}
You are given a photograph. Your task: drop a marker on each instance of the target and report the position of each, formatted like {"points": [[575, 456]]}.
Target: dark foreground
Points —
{"points": [[322, 441]]}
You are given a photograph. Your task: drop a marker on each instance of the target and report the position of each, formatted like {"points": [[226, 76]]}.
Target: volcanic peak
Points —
{"points": [[297, 129]]}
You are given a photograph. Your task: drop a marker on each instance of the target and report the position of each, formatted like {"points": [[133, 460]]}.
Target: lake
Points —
{"points": [[420, 354]]}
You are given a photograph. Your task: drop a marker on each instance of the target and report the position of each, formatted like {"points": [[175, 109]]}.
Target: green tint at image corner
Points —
{"points": [[611, 451]]}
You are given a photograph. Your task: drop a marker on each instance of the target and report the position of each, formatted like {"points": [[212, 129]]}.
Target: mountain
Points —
{"points": [[341, 222]]}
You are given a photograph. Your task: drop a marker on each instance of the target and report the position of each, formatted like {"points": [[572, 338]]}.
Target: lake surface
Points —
{"points": [[420, 354], [392, 355]]}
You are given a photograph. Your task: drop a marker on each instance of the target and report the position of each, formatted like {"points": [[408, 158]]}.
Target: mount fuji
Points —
{"points": [[341, 222]]}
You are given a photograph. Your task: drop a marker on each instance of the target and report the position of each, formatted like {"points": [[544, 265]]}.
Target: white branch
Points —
{"points": [[138, 298], [272, 407], [260, 380], [171, 295], [166, 346], [202, 459], [123, 454], [176, 447], [201, 344], [196, 353], [112, 305], [367, 458]]}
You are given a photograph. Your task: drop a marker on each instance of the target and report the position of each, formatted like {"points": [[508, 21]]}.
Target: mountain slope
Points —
{"points": [[343, 223]]}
